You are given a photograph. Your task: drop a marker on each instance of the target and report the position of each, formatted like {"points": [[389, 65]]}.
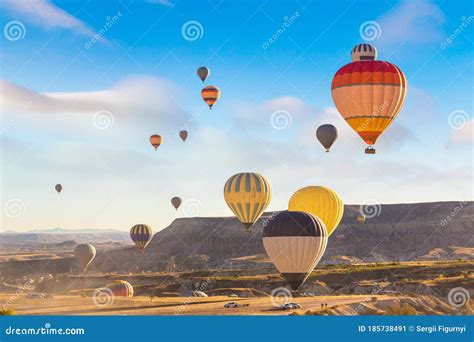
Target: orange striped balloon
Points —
{"points": [[369, 95], [120, 288], [156, 141], [210, 94]]}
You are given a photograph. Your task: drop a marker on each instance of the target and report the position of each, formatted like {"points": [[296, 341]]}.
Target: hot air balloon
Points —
{"points": [[176, 202], [368, 94], [58, 188], [247, 195], [183, 135], [327, 135], [120, 288], [295, 241], [156, 140], [360, 218], [210, 94], [320, 201], [203, 73], [141, 234], [84, 253]]}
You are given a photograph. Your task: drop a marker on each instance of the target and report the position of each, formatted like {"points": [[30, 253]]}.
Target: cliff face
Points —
{"points": [[399, 232]]}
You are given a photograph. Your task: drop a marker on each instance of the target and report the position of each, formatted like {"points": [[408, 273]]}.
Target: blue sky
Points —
{"points": [[141, 72]]}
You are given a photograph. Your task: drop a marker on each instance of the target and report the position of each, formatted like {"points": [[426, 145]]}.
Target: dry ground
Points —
{"points": [[77, 305]]}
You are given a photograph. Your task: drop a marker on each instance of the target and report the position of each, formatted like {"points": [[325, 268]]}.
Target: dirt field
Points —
{"points": [[76, 305]]}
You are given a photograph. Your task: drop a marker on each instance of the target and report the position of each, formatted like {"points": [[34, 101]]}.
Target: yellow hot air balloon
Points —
{"points": [[320, 201], [360, 218], [368, 94], [247, 195], [141, 235]]}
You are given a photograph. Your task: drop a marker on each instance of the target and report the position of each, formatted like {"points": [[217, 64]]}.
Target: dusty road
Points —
{"points": [[76, 305]]}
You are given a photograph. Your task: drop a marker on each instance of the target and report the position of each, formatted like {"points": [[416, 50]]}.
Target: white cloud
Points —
{"points": [[411, 22], [47, 15], [246, 113], [138, 97]]}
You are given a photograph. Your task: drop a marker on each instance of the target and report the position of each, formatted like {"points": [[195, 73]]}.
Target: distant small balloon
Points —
{"points": [[120, 288], [210, 95], [203, 73], [84, 254], [183, 135], [361, 218], [141, 235], [176, 202], [58, 188], [156, 140], [327, 135]]}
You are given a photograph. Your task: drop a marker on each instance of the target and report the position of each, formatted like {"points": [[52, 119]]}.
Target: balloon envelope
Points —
{"points": [[183, 135], [369, 94], [247, 195], [156, 140], [58, 188], [295, 241], [203, 73], [210, 95], [321, 202], [141, 234], [84, 253], [120, 288], [327, 135], [176, 202]]}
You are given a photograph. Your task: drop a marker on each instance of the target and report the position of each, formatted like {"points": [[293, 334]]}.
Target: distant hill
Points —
{"points": [[400, 232], [57, 235], [66, 231]]}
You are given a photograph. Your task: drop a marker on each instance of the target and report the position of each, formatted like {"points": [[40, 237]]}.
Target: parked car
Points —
{"points": [[231, 305], [233, 295], [34, 295], [289, 306]]}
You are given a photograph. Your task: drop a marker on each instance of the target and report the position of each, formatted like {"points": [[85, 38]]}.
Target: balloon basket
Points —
{"points": [[370, 150]]}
